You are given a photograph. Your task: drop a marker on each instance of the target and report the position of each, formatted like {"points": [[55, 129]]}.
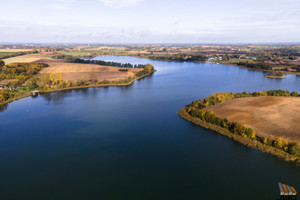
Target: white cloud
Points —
{"points": [[120, 3], [65, 1], [62, 4], [59, 6]]}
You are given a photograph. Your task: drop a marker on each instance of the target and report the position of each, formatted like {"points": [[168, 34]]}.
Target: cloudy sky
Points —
{"points": [[150, 21]]}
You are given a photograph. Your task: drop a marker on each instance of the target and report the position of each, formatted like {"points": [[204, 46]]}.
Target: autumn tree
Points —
{"points": [[68, 84], [130, 75], [278, 143], [149, 68], [45, 80], [2, 63], [93, 78], [294, 149]]}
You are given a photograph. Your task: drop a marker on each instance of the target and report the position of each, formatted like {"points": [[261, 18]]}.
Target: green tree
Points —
{"points": [[294, 149], [294, 94], [32, 86]]}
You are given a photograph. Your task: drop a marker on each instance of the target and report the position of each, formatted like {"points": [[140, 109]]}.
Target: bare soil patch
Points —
{"points": [[268, 116]]}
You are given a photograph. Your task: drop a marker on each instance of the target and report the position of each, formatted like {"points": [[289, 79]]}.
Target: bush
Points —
{"points": [[2, 63], [32, 86], [294, 149]]}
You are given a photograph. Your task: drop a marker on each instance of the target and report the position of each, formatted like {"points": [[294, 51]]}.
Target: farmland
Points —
{"points": [[77, 71], [26, 58], [268, 116]]}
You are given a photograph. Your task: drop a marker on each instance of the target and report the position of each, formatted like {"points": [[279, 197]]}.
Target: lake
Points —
{"points": [[129, 143]]}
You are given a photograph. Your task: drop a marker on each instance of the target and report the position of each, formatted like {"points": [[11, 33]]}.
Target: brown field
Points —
{"points": [[15, 50], [77, 71], [268, 116], [25, 58]]}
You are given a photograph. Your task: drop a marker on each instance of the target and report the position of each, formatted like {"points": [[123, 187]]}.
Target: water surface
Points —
{"points": [[128, 142]]}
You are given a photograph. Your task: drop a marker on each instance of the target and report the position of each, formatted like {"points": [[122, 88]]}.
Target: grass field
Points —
{"points": [[268, 116], [78, 53], [78, 71], [26, 58]]}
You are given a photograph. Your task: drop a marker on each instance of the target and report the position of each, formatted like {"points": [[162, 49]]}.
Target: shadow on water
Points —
{"points": [[3, 107], [55, 96]]}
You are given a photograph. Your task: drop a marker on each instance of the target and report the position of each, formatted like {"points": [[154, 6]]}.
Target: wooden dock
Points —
{"points": [[34, 93]]}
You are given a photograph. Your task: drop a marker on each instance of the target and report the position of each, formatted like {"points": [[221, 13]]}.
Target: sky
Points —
{"points": [[150, 21]]}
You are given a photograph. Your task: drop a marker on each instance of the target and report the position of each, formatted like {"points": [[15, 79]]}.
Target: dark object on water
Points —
{"points": [[287, 192], [34, 93]]}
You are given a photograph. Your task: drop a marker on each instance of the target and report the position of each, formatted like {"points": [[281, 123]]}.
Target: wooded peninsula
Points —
{"points": [[44, 73], [226, 113]]}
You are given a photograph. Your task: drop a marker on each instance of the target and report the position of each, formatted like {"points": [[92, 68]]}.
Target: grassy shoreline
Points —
{"points": [[245, 141], [77, 87], [278, 77], [262, 70]]}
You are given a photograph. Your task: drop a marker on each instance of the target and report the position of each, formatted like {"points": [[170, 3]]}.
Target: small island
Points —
{"points": [[273, 74], [265, 120]]}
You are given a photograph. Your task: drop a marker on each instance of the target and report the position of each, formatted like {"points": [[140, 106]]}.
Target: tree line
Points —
{"points": [[112, 64], [255, 65], [179, 57], [4, 55], [218, 98], [233, 127]]}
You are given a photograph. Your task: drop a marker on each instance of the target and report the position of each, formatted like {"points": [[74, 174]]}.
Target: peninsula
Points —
{"points": [[44, 72], [267, 120]]}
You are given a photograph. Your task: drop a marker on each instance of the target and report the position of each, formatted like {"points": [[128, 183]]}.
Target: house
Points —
{"points": [[12, 88]]}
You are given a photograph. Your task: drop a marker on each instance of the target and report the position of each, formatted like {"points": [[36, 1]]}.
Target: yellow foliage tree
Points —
{"points": [[130, 75], [60, 79], [278, 142], [265, 140], [75, 83], [149, 67], [2, 98], [54, 78], [68, 84], [253, 135]]}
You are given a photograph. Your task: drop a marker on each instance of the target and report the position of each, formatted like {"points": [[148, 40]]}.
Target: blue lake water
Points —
{"points": [[128, 142]]}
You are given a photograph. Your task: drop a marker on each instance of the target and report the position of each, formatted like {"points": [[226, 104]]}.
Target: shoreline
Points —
{"points": [[278, 77], [230, 64], [77, 87], [245, 141], [262, 70]]}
